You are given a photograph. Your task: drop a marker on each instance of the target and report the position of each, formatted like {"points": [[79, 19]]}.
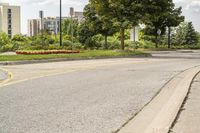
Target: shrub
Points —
{"points": [[145, 44], [128, 44], [113, 43], [54, 46], [7, 47], [67, 43], [78, 46], [5, 43]]}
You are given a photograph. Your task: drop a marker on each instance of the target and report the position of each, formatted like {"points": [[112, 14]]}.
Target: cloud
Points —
{"points": [[194, 6]]}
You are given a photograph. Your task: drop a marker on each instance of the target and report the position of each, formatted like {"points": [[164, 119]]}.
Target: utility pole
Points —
{"points": [[60, 23]]}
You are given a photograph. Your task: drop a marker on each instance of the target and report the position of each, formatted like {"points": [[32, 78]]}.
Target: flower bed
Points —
{"points": [[48, 52]]}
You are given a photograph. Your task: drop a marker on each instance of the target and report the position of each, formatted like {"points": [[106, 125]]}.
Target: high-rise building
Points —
{"points": [[34, 27], [79, 16], [51, 24], [76, 15], [9, 19]]}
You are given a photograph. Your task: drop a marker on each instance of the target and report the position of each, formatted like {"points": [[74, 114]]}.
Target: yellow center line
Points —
{"points": [[66, 70]]}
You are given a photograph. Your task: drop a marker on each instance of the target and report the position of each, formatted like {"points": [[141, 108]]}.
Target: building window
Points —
{"points": [[9, 21], [10, 33], [9, 15], [9, 26], [9, 11]]}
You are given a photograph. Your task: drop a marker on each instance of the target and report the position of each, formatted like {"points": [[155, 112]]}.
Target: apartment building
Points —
{"points": [[51, 24], [9, 19], [34, 27], [76, 14], [79, 16]]}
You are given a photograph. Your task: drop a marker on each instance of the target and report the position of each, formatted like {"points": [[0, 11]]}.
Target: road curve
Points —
{"points": [[96, 99]]}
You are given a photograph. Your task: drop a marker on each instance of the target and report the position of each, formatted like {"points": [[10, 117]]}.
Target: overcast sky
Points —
{"points": [[30, 9]]}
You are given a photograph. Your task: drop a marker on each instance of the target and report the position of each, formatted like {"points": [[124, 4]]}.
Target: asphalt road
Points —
{"points": [[96, 96], [3, 75]]}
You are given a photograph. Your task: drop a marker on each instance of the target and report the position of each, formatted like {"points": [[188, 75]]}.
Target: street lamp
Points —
{"points": [[41, 15], [60, 22]]}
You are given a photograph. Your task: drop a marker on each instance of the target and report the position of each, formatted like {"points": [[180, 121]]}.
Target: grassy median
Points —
{"points": [[82, 55]]}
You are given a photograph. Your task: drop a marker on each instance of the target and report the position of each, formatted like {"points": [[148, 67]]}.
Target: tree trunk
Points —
{"points": [[169, 37], [106, 42], [122, 38]]}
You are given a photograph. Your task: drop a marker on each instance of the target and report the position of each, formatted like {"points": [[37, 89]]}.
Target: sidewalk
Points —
{"points": [[189, 119]]}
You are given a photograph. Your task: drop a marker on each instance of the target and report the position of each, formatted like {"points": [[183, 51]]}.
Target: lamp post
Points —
{"points": [[71, 25], [41, 15], [60, 22]]}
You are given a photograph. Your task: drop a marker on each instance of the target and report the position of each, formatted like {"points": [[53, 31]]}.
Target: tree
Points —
{"points": [[5, 42], [84, 33], [156, 16], [99, 24], [70, 27], [122, 13], [4, 39], [180, 34], [191, 35], [173, 19], [19, 41], [153, 28]]}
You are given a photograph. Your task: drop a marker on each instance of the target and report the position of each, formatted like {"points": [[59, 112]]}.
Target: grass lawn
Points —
{"points": [[82, 55]]}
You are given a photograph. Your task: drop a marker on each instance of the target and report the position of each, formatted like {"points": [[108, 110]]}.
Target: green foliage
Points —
{"points": [[107, 25], [186, 34], [70, 28], [99, 24], [83, 55], [5, 42], [165, 15], [85, 33], [191, 35], [113, 43], [67, 43], [181, 33], [121, 13], [20, 42], [78, 46]]}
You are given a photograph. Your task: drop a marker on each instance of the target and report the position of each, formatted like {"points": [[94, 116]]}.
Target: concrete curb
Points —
{"points": [[67, 59], [160, 113]]}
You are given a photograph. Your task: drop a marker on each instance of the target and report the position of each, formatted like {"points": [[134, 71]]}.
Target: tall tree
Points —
{"points": [[122, 13], [173, 19], [99, 24], [191, 35], [180, 34], [70, 27], [156, 16]]}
